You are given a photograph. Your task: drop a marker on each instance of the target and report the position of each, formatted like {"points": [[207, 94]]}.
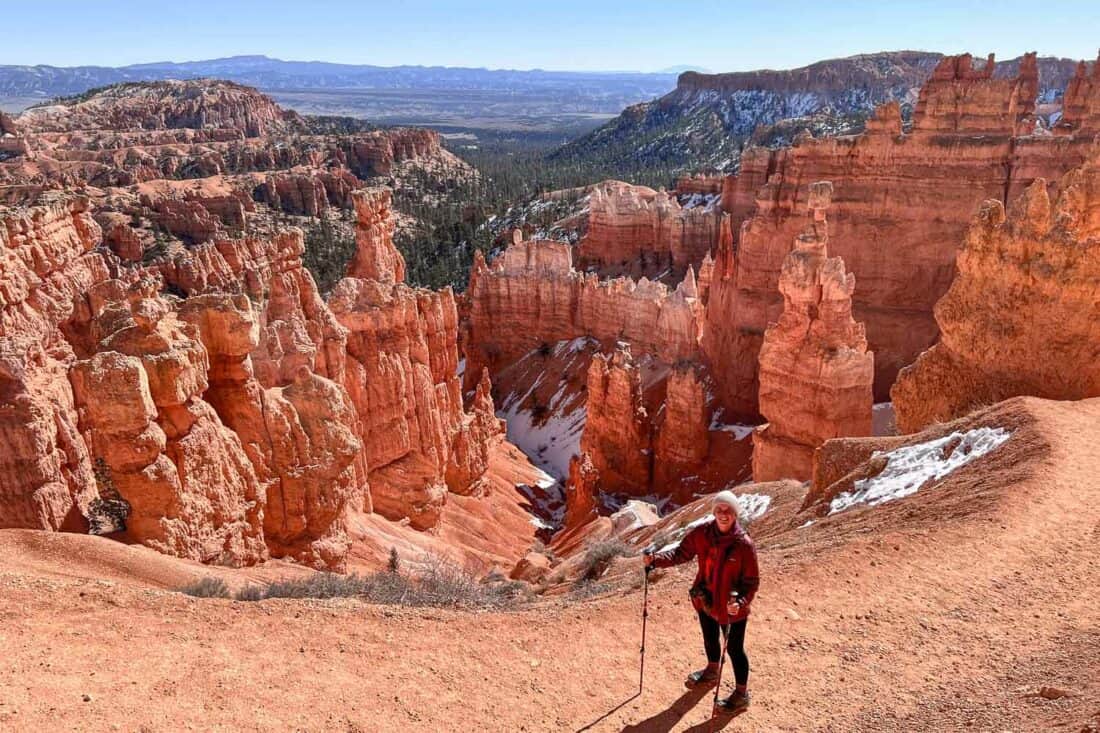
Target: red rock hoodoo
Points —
{"points": [[246, 417], [815, 371]]}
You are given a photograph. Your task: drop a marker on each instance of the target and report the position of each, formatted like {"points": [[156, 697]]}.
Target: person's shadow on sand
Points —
{"points": [[720, 721], [663, 721]]}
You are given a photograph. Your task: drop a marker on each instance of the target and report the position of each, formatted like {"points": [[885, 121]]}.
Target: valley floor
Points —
{"points": [[946, 611]]}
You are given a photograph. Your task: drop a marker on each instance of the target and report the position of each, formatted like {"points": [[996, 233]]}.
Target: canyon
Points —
{"points": [[188, 402], [199, 396], [721, 245], [161, 329]]}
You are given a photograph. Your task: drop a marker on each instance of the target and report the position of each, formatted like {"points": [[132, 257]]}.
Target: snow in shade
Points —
{"points": [[555, 438], [910, 468], [740, 430], [545, 480]]}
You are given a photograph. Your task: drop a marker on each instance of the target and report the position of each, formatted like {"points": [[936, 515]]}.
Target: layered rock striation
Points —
{"points": [[815, 371], [214, 402], [638, 232], [902, 201], [531, 295], [1023, 315], [162, 105]]}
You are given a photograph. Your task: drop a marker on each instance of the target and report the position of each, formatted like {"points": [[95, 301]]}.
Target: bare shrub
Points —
{"points": [[584, 589], [207, 587], [250, 593], [318, 585], [598, 557], [441, 584]]}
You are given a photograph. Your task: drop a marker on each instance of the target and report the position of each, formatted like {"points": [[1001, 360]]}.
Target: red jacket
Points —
{"points": [[727, 565]]}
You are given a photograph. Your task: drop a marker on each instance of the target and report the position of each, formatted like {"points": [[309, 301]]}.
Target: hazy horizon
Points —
{"points": [[645, 37]]}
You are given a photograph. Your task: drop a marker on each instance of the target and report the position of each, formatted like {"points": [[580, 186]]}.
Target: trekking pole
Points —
{"points": [[718, 682], [645, 615]]}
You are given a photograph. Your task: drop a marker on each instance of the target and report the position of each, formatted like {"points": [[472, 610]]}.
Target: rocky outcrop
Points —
{"points": [[169, 369], [649, 432], [639, 232], [402, 378], [187, 130], [1081, 102], [991, 107], [916, 191], [7, 126], [46, 472], [479, 430], [161, 105], [580, 491], [301, 438], [531, 295], [815, 370], [192, 490], [1022, 316], [242, 417], [682, 445], [401, 372], [376, 257], [617, 436], [305, 192]]}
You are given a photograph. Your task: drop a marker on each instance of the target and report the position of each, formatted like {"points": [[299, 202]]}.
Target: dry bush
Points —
{"points": [[598, 557], [441, 584], [207, 587], [251, 593], [318, 585]]}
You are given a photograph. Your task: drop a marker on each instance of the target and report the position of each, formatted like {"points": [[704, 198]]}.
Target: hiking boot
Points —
{"points": [[703, 676], [734, 703]]}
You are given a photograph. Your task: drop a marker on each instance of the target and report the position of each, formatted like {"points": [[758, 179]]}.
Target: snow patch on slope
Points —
{"points": [[910, 468], [549, 439]]}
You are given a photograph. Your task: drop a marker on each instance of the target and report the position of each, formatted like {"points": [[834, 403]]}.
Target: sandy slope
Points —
{"points": [[937, 612]]}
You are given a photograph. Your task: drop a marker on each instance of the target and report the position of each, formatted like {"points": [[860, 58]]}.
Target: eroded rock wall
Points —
{"points": [[46, 260], [531, 295], [637, 232], [240, 416], [1023, 315], [902, 202]]}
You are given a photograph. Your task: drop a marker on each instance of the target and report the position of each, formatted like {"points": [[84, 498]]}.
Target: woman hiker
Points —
{"points": [[722, 592]]}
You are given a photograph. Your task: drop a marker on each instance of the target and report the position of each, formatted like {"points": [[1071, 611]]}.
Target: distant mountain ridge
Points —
{"points": [[268, 73], [708, 117]]}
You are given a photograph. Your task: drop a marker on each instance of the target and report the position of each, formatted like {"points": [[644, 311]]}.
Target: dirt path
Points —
{"points": [[944, 611]]}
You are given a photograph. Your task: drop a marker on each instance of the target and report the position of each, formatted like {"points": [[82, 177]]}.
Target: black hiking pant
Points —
{"points": [[735, 646]]}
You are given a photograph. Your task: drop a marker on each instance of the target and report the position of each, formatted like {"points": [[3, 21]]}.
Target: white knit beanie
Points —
{"points": [[728, 497]]}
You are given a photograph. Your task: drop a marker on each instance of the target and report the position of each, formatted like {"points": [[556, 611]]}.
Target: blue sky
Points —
{"points": [[549, 34]]}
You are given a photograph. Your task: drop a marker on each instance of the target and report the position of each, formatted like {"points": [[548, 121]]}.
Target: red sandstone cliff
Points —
{"points": [[243, 419], [636, 231], [1081, 102], [1023, 315], [532, 295], [902, 201], [815, 370]]}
